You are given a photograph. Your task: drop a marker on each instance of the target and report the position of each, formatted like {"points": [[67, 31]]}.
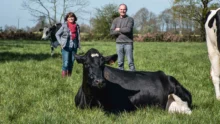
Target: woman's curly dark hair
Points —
{"points": [[70, 14]]}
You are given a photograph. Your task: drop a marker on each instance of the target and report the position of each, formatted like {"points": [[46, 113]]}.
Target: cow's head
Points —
{"points": [[93, 67], [46, 33]]}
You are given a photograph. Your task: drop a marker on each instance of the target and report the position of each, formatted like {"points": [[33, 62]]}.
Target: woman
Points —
{"points": [[68, 37]]}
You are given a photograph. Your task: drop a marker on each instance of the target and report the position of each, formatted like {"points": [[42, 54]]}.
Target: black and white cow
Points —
{"points": [[116, 90], [49, 34], [212, 28]]}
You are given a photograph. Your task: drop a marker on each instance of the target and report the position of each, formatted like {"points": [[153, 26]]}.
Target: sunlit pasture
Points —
{"points": [[33, 91]]}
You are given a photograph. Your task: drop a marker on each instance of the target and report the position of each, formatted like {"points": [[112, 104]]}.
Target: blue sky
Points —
{"points": [[11, 10]]}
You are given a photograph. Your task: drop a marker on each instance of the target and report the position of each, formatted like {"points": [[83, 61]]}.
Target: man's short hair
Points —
{"points": [[124, 5]]}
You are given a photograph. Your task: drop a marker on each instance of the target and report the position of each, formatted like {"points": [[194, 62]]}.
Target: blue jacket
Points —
{"points": [[63, 35]]}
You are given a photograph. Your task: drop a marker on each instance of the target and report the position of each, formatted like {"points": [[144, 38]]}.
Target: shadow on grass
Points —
{"points": [[13, 56]]}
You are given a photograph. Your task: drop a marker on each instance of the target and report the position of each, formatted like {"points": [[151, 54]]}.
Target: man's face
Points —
{"points": [[122, 10]]}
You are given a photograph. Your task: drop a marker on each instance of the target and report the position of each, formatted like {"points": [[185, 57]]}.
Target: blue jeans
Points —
{"points": [[122, 50], [68, 56]]}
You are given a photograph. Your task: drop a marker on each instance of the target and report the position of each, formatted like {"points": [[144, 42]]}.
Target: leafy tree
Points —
{"points": [[102, 21], [84, 28], [194, 10]]}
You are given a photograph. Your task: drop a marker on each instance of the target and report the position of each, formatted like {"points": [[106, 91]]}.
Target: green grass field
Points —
{"points": [[33, 91]]}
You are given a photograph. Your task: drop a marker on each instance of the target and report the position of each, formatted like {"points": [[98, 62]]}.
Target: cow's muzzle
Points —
{"points": [[100, 83]]}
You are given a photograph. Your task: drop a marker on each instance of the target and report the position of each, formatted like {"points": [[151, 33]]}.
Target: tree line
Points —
{"points": [[183, 21]]}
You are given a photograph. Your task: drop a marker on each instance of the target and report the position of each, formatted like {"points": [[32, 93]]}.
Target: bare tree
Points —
{"points": [[166, 18], [52, 9], [11, 28], [145, 21]]}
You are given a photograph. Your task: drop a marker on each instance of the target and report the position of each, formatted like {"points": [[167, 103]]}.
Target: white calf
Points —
{"points": [[212, 28]]}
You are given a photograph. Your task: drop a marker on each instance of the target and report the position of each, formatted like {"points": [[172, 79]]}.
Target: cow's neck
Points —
{"points": [[85, 87], [87, 93]]}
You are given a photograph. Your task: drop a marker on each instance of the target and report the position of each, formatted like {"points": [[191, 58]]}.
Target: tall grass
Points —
{"points": [[33, 91]]}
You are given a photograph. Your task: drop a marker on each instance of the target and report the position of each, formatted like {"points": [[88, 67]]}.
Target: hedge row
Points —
{"points": [[163, 37], [167, 37], [20, 36]]}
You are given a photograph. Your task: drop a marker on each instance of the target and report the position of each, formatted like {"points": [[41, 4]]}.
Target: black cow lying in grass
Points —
{"points": [[116, 90]]}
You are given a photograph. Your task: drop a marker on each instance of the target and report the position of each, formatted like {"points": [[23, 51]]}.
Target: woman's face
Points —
{"points": [[71, 19]]}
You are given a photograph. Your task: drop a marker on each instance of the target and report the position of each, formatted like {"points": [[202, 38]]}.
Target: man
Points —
{"points": [[122, 28]]}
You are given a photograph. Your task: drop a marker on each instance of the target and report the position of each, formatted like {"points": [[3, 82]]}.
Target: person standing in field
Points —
{"points": [[122, 28], [68, 37]]}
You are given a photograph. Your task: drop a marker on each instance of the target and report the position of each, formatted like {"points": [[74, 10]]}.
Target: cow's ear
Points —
{"points": [[111, 59], [40, 29], [79, 59]]}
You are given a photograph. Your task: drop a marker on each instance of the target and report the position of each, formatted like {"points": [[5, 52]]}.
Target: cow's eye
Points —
{"points": [[102, 61], [91, 76], [87, 65], [47, 32]]}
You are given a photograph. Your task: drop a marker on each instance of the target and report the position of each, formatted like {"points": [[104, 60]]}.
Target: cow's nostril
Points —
{"points": [[97, 81], [100, 80]]}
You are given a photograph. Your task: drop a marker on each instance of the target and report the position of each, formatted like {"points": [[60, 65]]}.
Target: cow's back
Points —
{"points": [[54, 29], [212, 28], [148, 84]]}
